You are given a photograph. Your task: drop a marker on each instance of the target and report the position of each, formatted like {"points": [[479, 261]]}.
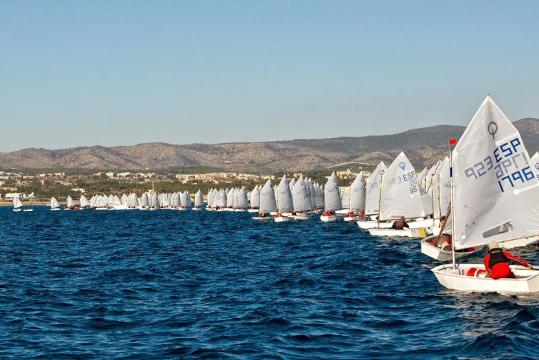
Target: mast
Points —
{"points": [[452, 141], [432, 201], [380, 198]]}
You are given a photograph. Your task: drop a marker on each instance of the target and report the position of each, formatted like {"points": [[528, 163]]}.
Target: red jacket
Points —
{"points": [[486, 260]]}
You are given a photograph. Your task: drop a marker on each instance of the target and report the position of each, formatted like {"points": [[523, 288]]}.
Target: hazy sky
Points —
{"points": [[123, 72]]}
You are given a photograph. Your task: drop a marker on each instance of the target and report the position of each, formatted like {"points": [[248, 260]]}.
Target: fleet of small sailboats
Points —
{"points": [[485, 193]]}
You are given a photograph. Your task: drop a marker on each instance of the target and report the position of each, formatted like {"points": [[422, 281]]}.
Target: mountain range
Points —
{"points": [[423, 146]]}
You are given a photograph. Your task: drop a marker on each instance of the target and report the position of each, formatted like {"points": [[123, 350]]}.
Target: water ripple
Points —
{"points": [[168, 285]]}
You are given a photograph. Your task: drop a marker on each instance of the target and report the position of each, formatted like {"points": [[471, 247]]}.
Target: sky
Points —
{"points": [[113, 72]]}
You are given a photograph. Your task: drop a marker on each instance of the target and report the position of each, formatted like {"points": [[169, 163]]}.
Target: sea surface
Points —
{"points": [[190, 285]]}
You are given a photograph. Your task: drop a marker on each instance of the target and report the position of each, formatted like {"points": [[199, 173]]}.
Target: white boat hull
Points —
{"points": [[406, 233], [440, 254], [196, 209], [328, 218], [369, 224], [252, 210], [279, 219], [260, 218], [300, 217], [56, 209], [526, 281], [413, 224], [352, 218]]}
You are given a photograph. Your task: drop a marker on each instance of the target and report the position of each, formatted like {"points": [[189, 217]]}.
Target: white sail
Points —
{"points": [[291, 184], [496, 193], [283, 197], [401, 196], [83, 201], [431, 184], [241, 199], [70, 202], [145, 200], [154, 200], [255, 198], [198, 199], [301, 196], [185, 199], [372, 199], [332, 199], [357, 193], [444, 184], [54, 203], [267, 199], [17, 203], [534, 160], [421, 177]]}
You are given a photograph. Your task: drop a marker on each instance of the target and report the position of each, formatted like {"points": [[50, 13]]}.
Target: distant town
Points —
{"points": [[39, 187]]}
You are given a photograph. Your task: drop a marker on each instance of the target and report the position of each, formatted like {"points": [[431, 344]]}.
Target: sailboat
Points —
{"points": [[17, 204], [495, 201], [372, 198], [70, 204], [267, 202], [55, 206], [400, 196], [284, 202], [185, 200], [332, 199], [254, 200], [199, 202], [356, 207], [441, 190], [84, 203], [241, 203], [301, 200]]}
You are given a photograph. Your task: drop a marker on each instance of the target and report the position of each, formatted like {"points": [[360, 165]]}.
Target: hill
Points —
{"points": [[423, 146]]}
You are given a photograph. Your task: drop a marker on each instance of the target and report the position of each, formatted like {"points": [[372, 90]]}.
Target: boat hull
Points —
{"points": [[439, 254], [369, 224], [404, 233], [280, 219], [328, 218], [526, 281]]}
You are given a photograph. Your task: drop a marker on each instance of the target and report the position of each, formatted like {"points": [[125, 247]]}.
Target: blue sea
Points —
{"points": [[201, 285]]}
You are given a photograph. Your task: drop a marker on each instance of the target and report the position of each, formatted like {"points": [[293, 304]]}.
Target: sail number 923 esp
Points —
{"points": [[509, 163]]}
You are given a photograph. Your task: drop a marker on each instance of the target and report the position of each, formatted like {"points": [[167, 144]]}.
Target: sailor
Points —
{"points": [[497, 260], [400, 224], [443, 241]]}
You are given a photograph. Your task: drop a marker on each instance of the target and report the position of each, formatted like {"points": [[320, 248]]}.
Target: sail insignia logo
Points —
{"points": [[402, 165]]}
